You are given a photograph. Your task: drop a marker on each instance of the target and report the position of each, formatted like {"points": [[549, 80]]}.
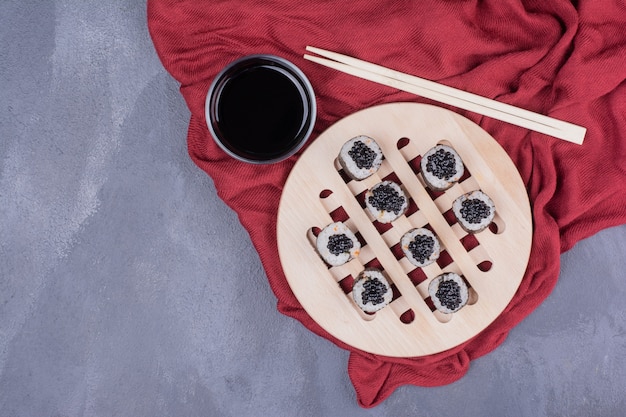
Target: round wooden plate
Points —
{"points": [[493, 261]]}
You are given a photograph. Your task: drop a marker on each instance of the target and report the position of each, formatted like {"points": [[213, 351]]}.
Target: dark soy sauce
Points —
{"points": [[262, 112]]}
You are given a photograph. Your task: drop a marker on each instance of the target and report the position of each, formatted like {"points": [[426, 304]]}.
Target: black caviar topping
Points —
{"points": [[449, 294], [362, 155], [475, 210], [340, 243], [441, 164], [385, 197], [422, 247], [373, 291]]}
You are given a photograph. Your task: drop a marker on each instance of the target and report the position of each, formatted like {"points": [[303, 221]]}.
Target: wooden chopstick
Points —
{"points": [[449, 95]]}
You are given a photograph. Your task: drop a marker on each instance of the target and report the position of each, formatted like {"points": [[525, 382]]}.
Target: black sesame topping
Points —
{"points": [[474, 210], [362, 155], [422, 247], [441, 164], [373, 291], [386, 198], [339, 243], [449, 294]]}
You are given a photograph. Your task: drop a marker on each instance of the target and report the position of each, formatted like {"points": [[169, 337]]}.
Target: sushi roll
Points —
{"points": [[360, 157], [441, 167], [336, 244], [420, 246], [474, 211], [371, 291], [448, 292], [386, 201]]}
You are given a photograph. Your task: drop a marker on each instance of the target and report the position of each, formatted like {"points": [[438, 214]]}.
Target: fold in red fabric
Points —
{"points": [[561, 58]]}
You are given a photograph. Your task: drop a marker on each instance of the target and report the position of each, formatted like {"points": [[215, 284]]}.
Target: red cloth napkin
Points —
{"points": [[561, 58]]}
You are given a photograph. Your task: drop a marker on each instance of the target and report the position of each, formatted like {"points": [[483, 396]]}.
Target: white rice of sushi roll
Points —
{"points": [[371, 290], [360, 157], [448, 292], [441, 167], [420, 246], [474, 211], [386, 201], [336, 244]]}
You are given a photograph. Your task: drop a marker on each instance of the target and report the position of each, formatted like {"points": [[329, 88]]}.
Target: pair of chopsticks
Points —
{"points": [[449, 95]]}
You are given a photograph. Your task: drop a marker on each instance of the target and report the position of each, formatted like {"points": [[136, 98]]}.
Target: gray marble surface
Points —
{"points": [[127, 288]]}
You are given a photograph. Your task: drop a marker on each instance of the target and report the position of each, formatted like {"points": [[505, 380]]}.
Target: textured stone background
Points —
{"points": [[128, 288]]}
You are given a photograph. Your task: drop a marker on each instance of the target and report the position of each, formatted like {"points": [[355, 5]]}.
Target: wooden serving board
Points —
{"points": [[493, 261]]}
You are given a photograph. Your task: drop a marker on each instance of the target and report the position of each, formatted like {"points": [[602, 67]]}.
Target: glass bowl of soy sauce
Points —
{"points": [[260, 109]]}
